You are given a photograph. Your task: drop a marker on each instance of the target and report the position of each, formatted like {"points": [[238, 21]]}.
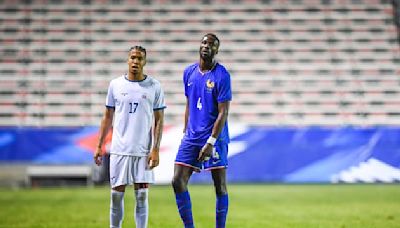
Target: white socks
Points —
{"points": [[142, 207], [116, 209]]}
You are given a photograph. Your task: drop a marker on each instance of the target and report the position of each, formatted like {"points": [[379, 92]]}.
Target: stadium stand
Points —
{"points": [[293, 62]]}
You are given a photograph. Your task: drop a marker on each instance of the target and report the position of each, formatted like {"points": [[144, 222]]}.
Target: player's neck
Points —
{"points": [[135, 77], [206, 65]]}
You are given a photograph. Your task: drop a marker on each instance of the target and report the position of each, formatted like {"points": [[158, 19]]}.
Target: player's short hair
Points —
{"points": [[140, 48], [214, 36]]}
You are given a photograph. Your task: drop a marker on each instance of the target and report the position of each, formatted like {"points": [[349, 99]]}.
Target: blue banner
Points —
{"points": [[256, 154], [46, 145]]}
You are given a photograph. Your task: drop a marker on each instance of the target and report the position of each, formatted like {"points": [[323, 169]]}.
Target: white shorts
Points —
{"points": [[127, 170]]}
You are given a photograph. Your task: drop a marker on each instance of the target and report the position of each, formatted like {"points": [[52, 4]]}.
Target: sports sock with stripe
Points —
{"points": [[221, 210], [141, 207], [185, 208], [116, 209]]}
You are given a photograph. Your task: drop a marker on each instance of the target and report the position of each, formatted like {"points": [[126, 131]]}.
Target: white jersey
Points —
{"points": [[134, 103]]}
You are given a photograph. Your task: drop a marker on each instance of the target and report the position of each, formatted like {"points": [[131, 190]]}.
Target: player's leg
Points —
{"points": [[179, 182], [118, 181], [218, 164], [222, 203], [185, 163], [181, 178], [117, 206], [141, 205], [142, 176]]}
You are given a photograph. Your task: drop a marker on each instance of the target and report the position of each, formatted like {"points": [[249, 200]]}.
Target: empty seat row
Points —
{"points": [[292, 61]]}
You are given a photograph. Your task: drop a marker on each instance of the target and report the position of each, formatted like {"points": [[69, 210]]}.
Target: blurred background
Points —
{"points": [[316, 85]]}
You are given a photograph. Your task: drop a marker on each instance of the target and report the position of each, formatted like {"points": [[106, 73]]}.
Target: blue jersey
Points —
{"points": [[204, 91]]}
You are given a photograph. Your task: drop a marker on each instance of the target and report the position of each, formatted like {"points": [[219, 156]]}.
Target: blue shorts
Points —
{"points": [[187, 156]]}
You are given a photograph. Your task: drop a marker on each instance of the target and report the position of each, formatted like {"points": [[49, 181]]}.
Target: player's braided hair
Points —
{"points": [[140, 48]]}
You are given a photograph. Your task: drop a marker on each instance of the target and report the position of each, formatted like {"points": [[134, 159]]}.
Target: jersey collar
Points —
{"points": [[126, 78], [205, 72]]}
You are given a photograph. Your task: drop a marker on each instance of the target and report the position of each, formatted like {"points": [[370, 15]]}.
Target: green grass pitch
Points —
{"points": [[258, 206]]}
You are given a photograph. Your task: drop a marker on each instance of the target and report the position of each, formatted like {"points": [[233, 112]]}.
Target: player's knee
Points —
{"points": [[141, 194], [116, 199], [141, 198], [120, 188], [141, 186], [221, 190], [174, 182], [178, 184]]}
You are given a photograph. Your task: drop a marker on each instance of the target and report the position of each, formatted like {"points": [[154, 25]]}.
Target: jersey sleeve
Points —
{"points": [[159, 102], [224, 88], [110, 101]]}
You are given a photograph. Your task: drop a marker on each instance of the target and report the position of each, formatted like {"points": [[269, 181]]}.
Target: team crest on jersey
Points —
{"points": [[144, 96], [210, 85]]}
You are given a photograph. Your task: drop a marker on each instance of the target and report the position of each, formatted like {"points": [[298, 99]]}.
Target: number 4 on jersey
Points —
{"points": [[199, 105]]}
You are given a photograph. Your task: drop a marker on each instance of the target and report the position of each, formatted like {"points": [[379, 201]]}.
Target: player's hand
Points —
{"points": [[98, 156], [205, 152], [154, 158]]}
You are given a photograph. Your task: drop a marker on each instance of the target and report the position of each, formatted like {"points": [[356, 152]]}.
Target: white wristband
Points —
{"points": [[211, 140]]}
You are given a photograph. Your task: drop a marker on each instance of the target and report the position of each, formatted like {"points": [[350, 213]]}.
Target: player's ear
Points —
{"points": [[215, 48]]}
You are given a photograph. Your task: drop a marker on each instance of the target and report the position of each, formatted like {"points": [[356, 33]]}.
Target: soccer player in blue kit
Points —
{"points": [[205, 141]]}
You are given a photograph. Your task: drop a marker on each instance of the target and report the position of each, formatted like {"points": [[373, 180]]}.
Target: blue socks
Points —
{"points": [[221, 210], [185, 208]]}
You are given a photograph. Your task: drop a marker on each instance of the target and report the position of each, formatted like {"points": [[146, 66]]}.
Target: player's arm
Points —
{"points": [[223, 110], [154, 156], [105, 126], [186, 116]]}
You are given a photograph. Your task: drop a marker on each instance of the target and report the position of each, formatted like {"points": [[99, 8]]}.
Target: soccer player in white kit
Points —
{"points": [[135, 110]]}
